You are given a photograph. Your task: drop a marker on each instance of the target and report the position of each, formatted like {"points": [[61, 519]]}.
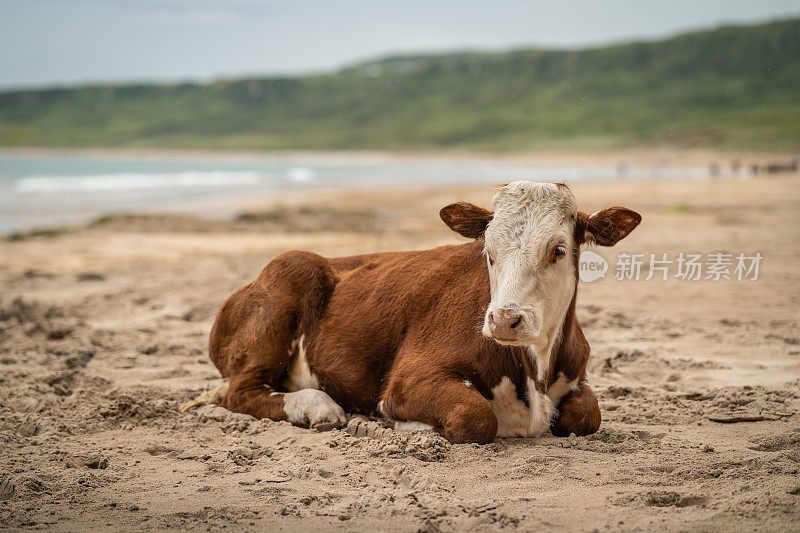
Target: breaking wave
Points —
{"points": [[121, 182]]}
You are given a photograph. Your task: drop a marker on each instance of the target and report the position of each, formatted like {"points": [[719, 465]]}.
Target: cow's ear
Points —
{"points": [[466, 219], [609, 226]]}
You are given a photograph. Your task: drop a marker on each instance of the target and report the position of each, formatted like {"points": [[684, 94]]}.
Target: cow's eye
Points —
{"points": [[491, 259], [559, 251]]}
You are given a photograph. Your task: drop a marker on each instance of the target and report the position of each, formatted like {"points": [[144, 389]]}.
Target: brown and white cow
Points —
{"points": [[475, 340]]}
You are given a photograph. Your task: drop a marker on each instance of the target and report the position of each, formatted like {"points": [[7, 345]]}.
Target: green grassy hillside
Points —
{"points": [[730, 88]]}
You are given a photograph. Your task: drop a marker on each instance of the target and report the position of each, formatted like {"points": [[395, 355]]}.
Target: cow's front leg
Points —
{"points": [[578, 412], [445, 403], [249, 392]]}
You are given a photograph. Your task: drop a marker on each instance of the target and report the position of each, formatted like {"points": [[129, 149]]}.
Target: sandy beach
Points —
{"points": [[103, 332]]}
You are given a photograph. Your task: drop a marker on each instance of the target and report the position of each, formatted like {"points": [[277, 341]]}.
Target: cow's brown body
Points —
{"points": [[399, 328]]}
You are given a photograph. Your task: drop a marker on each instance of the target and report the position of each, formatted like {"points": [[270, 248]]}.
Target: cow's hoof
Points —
{"points": [[313, 408]]}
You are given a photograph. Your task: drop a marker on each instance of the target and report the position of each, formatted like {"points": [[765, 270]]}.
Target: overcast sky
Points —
{"points": [[45, 42]]}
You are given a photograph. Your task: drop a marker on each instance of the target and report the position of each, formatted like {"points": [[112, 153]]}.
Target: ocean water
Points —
{"points": [[42, 190]]}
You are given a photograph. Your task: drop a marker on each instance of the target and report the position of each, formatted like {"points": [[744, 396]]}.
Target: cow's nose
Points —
{"points": [[505, 324]]}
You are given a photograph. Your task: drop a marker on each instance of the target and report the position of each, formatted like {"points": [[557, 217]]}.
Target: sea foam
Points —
{"points": [[118, 182]]}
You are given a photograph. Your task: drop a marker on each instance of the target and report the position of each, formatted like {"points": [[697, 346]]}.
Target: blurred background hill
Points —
{"points": [[735, 87]]}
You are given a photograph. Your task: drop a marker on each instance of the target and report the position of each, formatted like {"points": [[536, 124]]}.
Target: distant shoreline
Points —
{"points": [[224, 214], [46, 187]]}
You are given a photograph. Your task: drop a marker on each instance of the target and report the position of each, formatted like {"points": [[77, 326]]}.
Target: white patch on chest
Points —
{"points": [[543, 354], [542, 358], [299, 376], [514, 418]]}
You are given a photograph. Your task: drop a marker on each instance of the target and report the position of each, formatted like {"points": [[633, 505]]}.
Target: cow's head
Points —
{"points": [[532, 243]]}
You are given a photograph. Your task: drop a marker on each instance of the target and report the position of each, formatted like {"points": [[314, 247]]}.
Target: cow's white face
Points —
{"points": [[530, 252], [531, 243]]}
